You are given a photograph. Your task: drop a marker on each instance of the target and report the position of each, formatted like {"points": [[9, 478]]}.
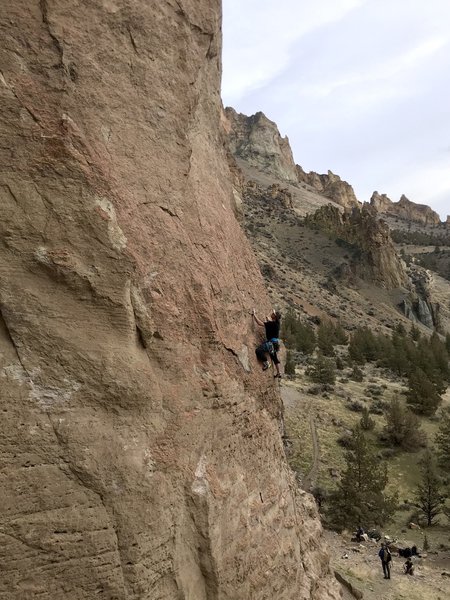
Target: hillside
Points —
{"points": [[359, 266], [323, 262]]}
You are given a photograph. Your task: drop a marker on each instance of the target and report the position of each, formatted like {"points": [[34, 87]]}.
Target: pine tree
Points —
{"points": [[363, 346], [399, 354], [297, 335], [323, 370], [360, 495], [339, 335], [366, 422], [441, 376], [357, 374], [415, 333], [428, 495], [403, 427], [289, 367], [400, 329], [447, 342], [443, 441], [325, 338], [422, 395], [305, 339]]}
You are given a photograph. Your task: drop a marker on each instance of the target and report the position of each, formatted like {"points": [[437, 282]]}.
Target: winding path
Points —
{"points": [[291, 397]]}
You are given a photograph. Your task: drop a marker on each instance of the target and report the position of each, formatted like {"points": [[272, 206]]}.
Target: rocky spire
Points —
{"points": [[256, 140], [405, 209]]}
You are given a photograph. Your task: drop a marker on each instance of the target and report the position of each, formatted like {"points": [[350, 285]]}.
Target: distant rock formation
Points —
{"points": [[375, 258], [274, 196], [418, 305], [381, 202], [256, 140], [405, 209], [331, 186]]}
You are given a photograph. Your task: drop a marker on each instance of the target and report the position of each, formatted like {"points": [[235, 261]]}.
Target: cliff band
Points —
{"points": [[140, 449]]}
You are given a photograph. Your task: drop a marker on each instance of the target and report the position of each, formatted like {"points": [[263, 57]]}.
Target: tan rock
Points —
{"points": [[331, 186], [381, 202], [405, 209], [140, 459], [256, 139], [376, 259]]}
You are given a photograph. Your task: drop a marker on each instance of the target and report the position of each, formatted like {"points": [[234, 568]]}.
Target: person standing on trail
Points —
{"points": [[385, 557], [271, 345]]}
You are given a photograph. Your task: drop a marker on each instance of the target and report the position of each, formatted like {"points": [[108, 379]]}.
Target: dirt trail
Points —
{"points": [[291, 396], [360, 565], [310, 479]]}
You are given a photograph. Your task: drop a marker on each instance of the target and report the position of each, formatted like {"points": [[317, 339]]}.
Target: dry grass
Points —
{"points": [[333, 418]]}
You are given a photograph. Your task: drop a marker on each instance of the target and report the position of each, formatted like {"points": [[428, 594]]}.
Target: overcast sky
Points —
{"points": [[360, 87]]}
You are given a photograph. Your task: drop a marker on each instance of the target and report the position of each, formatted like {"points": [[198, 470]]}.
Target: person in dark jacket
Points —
{"points": [[408, 567], [271, 345], [385, 557]]}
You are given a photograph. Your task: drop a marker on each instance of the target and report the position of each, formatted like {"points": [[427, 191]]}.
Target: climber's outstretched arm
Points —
{"points": [[258, 321]]}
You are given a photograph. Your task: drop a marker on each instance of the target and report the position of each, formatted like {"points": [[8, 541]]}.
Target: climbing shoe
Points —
{"points": [[266, 365]]}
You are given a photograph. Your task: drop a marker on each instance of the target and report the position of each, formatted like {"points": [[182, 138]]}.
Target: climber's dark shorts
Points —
{"points": [[269, 348]]}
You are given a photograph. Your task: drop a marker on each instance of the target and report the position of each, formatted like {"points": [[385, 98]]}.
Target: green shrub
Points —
{"points": [[289, 367]]}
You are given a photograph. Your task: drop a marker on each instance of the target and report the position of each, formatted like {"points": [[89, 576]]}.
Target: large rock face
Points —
{"points": [[331, 186], [375, 258], [256, 140], [405, 209], [141, 455]]}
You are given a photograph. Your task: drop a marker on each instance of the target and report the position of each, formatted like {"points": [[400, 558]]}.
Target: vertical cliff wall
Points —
{"points": [[140, 447]]}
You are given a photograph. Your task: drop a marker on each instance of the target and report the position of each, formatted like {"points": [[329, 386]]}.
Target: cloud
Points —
{"points": [[360, 88], [430, 183], [388, 70], [258, 35]]}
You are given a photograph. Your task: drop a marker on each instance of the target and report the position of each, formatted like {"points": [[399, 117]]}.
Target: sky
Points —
{"points": [[360, 87]]}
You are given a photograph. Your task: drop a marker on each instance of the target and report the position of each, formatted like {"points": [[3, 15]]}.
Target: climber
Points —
{"points": [[272, 343]]}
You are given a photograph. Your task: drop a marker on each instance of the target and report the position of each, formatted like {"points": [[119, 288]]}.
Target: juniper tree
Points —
{"points": [[415, 333], [360, 496], [357, 374], [325, 338], [422, 395], [366, 422], [289, 367], [323, 370], [363, 346], [428, 495], [402, 427], [339, 363], [297, 335], [442, 441]]}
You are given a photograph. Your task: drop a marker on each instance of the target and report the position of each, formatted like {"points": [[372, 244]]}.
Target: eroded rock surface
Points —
{"points": [[375, 258], [405, 209], [331, 186], [141, 458], [256, 140]]}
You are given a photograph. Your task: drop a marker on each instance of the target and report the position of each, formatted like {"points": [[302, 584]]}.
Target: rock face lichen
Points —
{"points": [[140, 459]]}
